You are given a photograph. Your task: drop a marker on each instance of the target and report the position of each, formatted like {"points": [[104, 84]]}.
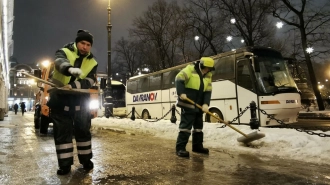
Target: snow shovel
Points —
{"points": [[246, 138]]}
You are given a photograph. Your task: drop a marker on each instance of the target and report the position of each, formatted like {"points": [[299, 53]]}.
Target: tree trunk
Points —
{"points": [[311, 71]]}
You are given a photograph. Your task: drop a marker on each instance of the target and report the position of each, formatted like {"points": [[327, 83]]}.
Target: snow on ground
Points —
{"points": [[279, 142]]}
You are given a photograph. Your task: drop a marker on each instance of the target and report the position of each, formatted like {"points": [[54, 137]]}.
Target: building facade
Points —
{"points": [[22, 88], [6, 51]]}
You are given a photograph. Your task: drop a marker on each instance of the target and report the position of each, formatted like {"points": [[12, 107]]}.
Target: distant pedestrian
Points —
{"points": [[23, 108], [15, 108]]}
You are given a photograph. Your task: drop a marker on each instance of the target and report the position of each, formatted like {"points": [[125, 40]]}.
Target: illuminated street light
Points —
{"points": [[108, 90], [196, 38], [229, 38], [242, 41], [279, 25], [45, 63], [309, 49], [31, 81], [233, 20]]}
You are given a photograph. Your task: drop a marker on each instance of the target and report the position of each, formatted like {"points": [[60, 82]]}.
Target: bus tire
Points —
{"points": [[211, 119], [145, 114]]}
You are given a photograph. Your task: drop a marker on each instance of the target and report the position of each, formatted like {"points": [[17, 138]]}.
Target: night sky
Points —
{"points": [[43, 26]]}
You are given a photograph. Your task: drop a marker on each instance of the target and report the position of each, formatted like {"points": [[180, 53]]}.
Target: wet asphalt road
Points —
{"points": [[133, 158]]}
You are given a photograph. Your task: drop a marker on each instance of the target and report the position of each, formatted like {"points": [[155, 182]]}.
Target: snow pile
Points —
{"points": [[280, 142]]}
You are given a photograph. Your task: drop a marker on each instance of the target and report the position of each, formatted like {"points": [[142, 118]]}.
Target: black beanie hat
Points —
{"points": [[84, 35]]}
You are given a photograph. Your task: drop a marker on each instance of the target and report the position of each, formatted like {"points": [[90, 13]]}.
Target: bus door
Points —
{"points": [[245, 89]]}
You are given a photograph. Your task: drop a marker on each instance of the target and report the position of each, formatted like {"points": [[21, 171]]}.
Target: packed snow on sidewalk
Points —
{"points": [[280, 142]]}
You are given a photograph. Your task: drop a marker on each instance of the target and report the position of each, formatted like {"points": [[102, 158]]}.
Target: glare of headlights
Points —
{"points": [[94, 104]]}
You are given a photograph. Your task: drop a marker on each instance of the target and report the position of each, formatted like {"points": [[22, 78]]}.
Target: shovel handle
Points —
{"points": [[216, 117], [39, 79]]}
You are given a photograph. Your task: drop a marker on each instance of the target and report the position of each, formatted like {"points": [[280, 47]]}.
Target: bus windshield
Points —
{"points": [[118, 95], [274, 76]]}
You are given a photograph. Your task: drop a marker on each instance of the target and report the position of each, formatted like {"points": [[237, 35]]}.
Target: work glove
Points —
{"points": [[67, 86], [205, 108], [183, 96], [74, 71]]}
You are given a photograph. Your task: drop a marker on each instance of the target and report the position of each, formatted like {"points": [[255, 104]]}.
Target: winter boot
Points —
{"points": [[182, 153], [88, 165], [64, 170], [197, 140], [181, 143]]}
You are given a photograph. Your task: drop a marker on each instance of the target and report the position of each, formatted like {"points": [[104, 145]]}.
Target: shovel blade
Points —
{"points": [[251, 137]]}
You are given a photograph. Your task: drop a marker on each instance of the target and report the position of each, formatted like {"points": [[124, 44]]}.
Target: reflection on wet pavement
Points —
{"points": [[119, 158]]}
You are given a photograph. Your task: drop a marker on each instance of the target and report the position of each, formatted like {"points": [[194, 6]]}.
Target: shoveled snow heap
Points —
{"points": [[281, 142]]}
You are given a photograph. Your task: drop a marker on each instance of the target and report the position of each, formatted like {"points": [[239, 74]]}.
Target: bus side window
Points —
{"points": [[155, 82], [132, 86], [224, 68], [143, 85], [169, 79]]}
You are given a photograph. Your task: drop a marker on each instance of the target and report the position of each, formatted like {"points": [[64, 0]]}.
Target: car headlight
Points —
{"points": [[94, 104]]}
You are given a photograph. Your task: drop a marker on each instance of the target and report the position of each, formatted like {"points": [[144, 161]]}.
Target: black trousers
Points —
{"points": [[188, 121], [68, 123]]}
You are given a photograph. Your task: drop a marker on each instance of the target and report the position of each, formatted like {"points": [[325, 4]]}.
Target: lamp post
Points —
{"points": [[108, 92]]}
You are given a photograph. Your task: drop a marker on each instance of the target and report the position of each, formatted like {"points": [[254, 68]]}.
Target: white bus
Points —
{"points": [[248, 74], [118, 97]]}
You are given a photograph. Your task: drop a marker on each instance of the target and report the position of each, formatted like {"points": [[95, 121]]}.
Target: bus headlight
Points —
{"points": [[94, 104]]}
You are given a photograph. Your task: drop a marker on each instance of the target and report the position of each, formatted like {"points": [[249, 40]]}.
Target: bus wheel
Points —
{"points": [[211, 119], [145, 114]]}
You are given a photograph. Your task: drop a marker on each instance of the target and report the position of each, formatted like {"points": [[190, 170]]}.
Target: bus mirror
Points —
{"points": [[290, 60], [247, 54], [103, 83], [37, 73]]}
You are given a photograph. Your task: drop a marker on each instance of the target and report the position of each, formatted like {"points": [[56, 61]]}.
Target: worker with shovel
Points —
{"points": [[75, 68], [193, 82]]}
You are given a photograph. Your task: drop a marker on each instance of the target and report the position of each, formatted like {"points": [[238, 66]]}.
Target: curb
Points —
{"points": [[314, 116]]}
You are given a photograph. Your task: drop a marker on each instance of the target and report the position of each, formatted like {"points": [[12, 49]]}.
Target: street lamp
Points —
{"points": [[229, 38], [232, 20], [196, 38], [108, 92], [279, 25], [309, 50]]}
